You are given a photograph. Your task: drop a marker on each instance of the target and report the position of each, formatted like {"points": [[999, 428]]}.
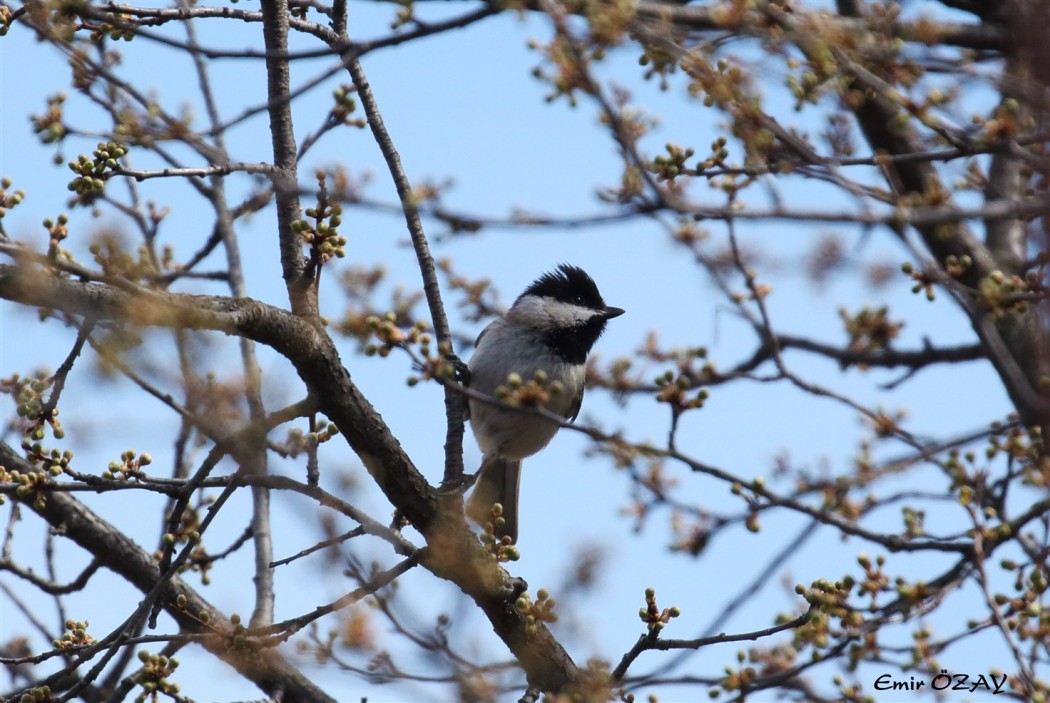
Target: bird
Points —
{"points": [[551, 328]]}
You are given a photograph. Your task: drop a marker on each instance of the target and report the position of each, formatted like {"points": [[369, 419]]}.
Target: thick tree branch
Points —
{"points": [[309, 349], [712, 17], [454, 554], [1023, 339]]}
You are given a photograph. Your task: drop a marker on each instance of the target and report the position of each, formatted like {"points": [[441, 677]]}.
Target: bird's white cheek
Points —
{"points": [[561, 314], [545, 313]]}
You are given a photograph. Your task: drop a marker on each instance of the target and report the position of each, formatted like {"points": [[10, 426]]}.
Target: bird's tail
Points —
{"points": [[497, 482]]}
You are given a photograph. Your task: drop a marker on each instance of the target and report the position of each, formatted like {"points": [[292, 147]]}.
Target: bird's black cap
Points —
{"points": [[568, 284], [571, 285]]}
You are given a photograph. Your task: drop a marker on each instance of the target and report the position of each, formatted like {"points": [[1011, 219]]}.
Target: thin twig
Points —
{"points": [[454, 407], [323, 544], [281, 631], [652, 641]]}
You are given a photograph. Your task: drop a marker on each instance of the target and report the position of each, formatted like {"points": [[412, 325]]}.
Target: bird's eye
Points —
{"points": [[577, 300]]}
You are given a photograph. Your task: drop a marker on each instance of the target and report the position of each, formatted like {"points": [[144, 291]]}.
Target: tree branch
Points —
{"points": [[285, 180], [114, 550], [652, 641], [454, 553], [454, 407], [713, 18]]}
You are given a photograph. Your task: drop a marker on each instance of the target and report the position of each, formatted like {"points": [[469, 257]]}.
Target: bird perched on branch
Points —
{"points": [[546, 335]]}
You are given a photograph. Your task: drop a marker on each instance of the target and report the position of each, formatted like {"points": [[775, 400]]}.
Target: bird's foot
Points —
{"points": [[461, 369], [458, 485], [512, 587]]}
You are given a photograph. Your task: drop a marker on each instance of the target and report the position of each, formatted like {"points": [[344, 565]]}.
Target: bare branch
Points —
{"points": [[652, 641], [454, 407], [285, 179], [115, 551], [200, 172]]}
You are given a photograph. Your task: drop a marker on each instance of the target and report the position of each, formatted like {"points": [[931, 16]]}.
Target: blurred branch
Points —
{"points": [[323, 544], [254, 454], [337, 44], [47, 586], [1013, 343], [925, 217], [711, 18], [281, 631], [889, 357], [312, 352], [317, 361], [114, 550], [190, 172]]}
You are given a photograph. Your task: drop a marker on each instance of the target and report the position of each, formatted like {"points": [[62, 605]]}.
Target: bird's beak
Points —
{"points": [[611, 312]]}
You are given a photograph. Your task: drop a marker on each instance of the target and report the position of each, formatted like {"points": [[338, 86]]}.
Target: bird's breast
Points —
{"points": [[516, 435]]}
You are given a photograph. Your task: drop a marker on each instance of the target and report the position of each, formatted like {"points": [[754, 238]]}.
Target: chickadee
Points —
{"points": [[551, 327]]}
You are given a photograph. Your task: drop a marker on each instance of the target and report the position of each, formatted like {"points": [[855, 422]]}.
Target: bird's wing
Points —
{"points": [[466, 381], [574, 409], [480, 335]]}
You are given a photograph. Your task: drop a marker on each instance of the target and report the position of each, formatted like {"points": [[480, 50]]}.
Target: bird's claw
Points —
{"points": [[461, 369], [461, 484], [512, 587]]}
